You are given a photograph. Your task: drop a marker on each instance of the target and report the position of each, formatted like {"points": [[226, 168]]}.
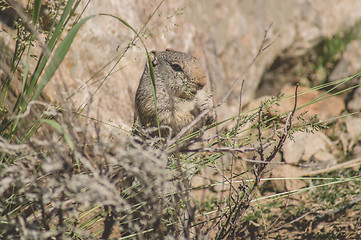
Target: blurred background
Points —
{"points": [[306, 41], [269, 45]]}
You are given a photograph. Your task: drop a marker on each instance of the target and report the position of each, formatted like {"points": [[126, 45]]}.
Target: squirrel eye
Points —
{"points": [[176, 67]]}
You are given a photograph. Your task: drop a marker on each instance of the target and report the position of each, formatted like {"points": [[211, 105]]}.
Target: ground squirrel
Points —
{"points": [[181, 97]]}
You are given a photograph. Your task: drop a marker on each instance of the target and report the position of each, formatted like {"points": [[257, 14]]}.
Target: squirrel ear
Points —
{"points": [[153, 57]]}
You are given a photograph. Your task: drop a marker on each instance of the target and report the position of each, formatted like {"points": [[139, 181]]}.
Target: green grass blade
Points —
{"points": [[44, 58], [152, 78], [59, 27], [26, 71], [50, 34], [127, 25], [151, 71], [121, 20], [46, 54], [60, 129], [59, 56], [36, 11]]}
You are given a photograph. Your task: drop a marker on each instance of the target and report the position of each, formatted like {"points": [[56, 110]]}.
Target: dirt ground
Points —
{"points": [[327, 213]]}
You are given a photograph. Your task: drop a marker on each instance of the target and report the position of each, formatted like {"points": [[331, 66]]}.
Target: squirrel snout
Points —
{"points": [[199, 86], [196, 76], [200, 82]]}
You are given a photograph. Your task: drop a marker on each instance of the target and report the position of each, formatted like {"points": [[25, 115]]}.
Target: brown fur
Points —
{"points": [[179, 82]]}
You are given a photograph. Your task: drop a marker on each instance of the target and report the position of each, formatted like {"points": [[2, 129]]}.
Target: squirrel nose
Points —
{"points": [[201, 82], [199, 86]]}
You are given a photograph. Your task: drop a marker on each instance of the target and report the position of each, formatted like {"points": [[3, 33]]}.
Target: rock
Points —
{"points": [[287, 171], [323, 159], [309, 149], [293, 151], [353, 127], [328, 108], [356, 151], [354, 105], [349, 65]]}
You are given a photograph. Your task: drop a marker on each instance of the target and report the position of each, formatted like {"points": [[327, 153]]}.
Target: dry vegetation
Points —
{"points": [[60, 181]]}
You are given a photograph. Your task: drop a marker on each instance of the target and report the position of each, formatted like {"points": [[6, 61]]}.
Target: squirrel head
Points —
{"points": [[180, 71]]}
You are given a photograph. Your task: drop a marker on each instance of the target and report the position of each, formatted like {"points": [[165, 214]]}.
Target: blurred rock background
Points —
{"points": [[104, 65], [225, 35]]}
